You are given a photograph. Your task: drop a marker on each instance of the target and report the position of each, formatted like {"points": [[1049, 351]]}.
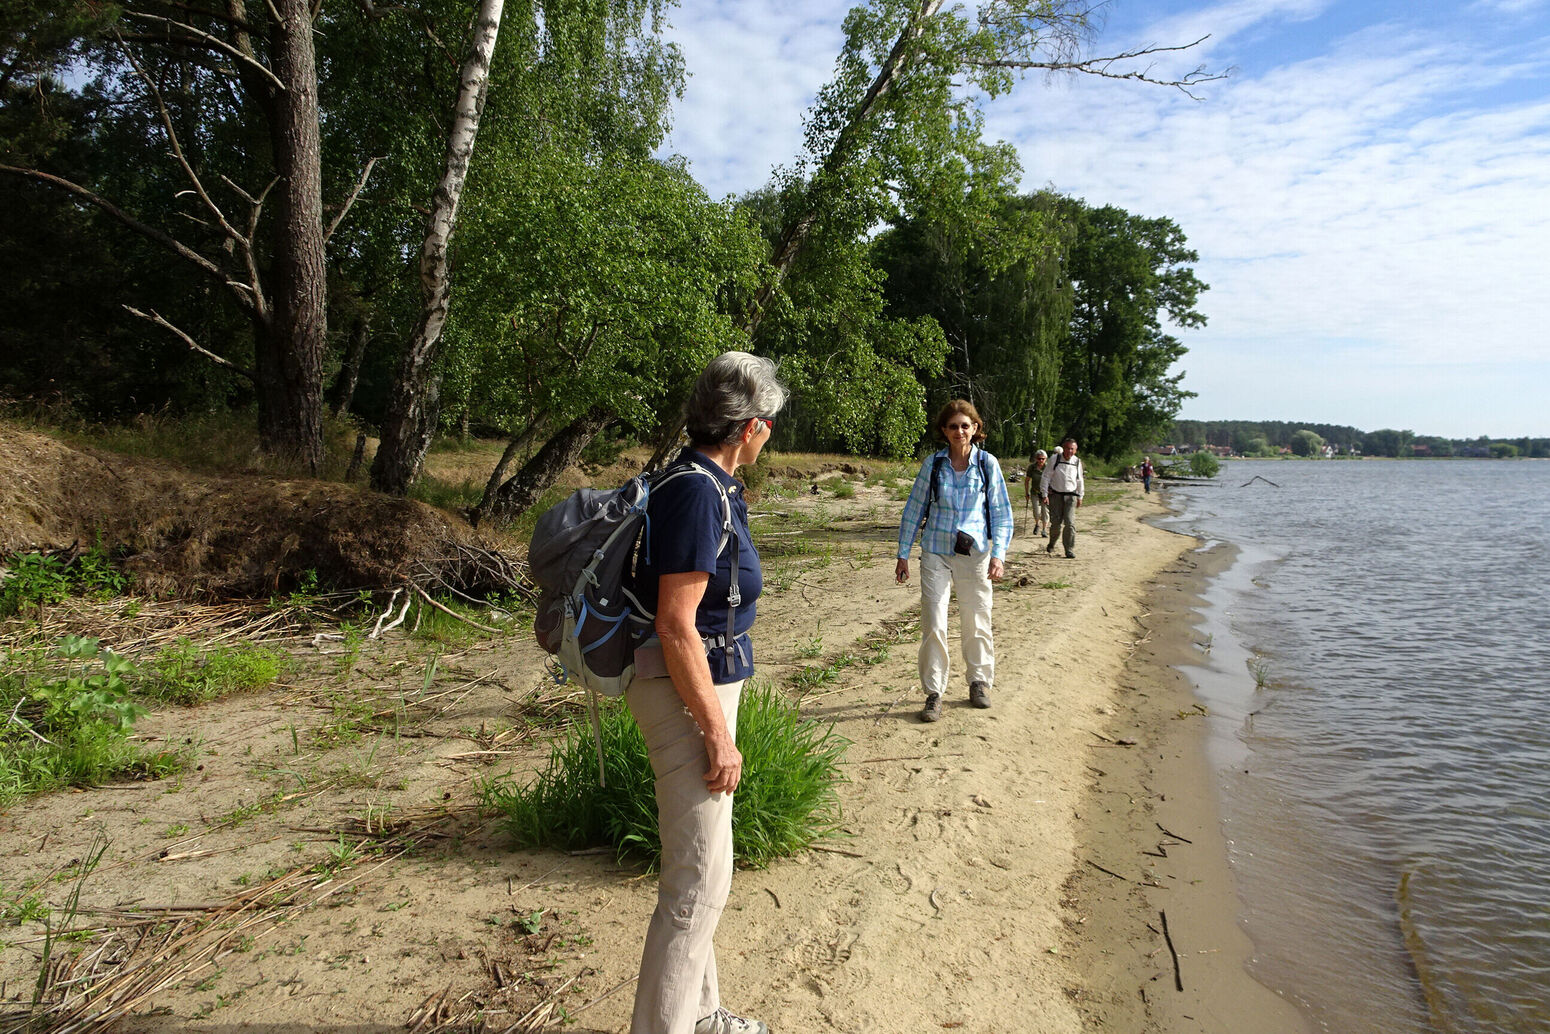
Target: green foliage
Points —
{"points": [[37, 579], [999, 294], [840, 487], [185, 674], [70, 714], [1306, 443], [597, 283], [34, 580], [84, 695], [786, 800], [1130, 273], [1204, 465]]}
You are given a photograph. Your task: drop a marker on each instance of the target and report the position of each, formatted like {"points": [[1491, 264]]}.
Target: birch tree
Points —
{"points": [[413, 409]]}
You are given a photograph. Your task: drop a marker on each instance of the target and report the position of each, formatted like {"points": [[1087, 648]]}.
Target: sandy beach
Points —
{"points": [[1004, 870]]}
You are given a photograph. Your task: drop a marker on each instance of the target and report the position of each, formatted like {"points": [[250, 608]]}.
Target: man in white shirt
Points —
{"points": [[1061, 488]]}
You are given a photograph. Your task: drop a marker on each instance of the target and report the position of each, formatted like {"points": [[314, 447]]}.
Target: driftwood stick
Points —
{"points": [[1178, 978], [1174, 835], [452, 613], [1111, 872], [835, 850]]}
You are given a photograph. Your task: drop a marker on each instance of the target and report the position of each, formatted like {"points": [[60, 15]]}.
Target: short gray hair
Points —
{"points": [[734, 388], [1041, 454]]}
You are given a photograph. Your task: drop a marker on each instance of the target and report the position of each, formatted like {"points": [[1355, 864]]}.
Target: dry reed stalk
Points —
{"points": [[92, 1002]]}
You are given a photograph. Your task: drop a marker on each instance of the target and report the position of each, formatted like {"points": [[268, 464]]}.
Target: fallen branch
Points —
{"points": [[452, 613], [1111, 872], [1178, 979]]}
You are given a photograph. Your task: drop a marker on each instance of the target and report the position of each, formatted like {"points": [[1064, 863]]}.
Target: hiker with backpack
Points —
{"points": [[960, 510], [1062, 487], [697, 571]]}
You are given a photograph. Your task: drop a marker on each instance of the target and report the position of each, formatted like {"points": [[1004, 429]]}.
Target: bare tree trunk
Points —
{"points": [[290, 356], [350, 373], [544, 469], [498, 475], [410, 422]]}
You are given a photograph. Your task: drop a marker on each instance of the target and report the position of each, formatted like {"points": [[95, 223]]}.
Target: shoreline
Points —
{"points": [[1194, 975]]}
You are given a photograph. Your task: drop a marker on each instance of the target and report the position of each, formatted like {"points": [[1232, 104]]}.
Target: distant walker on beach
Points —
{"points": [[1062, 488], [1033, 494], [960, 510]]}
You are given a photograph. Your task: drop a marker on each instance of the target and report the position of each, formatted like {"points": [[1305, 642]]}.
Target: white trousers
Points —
{"points": [[678, 966], [968, 576]]}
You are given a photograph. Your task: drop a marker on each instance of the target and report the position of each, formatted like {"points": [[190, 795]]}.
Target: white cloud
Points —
{"points": [[754, 69], [1373, 203]]}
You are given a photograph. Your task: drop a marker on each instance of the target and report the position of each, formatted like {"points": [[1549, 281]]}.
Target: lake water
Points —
{"points": [[1378, 674]]}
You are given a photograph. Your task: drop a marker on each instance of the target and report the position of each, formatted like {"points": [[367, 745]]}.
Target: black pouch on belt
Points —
{"points": [[963, 545]]}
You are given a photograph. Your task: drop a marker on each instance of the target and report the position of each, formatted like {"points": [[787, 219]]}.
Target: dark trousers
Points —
{"points": [[1062, 509]]}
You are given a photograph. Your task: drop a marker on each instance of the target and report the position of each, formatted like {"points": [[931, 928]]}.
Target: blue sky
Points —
{"points": [[1369, 192]]}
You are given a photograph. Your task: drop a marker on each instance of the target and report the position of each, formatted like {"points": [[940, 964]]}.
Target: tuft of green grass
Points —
{"points": [[786, 801], [839, 486], [184, 674]]}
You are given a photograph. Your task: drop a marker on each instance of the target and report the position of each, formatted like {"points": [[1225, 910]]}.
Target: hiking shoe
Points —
{"points": [[979, 694], [1070, 555], [1050, 548], [932, 712], [723, 1022]]}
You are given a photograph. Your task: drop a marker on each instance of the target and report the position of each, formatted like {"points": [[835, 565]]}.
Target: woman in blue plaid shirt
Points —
{"points": [[960, 510]]}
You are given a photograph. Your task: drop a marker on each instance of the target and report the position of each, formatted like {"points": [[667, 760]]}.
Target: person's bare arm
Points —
{"points": [[678, 597]]}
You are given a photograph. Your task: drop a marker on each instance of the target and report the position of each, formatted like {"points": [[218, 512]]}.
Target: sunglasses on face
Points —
{"points": [[767, 421], [960, 427]]}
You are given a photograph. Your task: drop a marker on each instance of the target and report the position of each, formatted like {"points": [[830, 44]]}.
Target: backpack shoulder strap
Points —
{"points": [[985, 483], [936, 475]]}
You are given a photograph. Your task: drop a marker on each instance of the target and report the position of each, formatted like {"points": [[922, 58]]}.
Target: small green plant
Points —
{"points": [[184, 674], [840, 487], [85, 695], [341, 855], [786, 801], [812, 648], [37, 579], [1259, 667], [24, 906], [811, 676]]}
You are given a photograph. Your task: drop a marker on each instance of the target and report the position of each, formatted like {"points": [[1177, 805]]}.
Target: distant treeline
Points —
{"points": [[1269, 437]]}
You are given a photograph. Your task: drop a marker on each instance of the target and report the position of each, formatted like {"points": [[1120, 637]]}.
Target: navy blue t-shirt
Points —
{"points": [[685, 525]]}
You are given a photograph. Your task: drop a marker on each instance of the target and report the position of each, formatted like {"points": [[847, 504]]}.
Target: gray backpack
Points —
{"points": [[582, 555]]}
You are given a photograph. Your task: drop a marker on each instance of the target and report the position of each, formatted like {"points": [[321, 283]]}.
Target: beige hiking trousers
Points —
{"points": [[942, 574], [678, 966]]}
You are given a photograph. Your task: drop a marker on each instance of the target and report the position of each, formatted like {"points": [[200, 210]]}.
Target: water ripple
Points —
{"points": [[1390, 827]]}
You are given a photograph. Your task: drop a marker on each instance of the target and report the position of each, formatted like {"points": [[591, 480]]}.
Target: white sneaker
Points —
{"points": [[723, 1022]]}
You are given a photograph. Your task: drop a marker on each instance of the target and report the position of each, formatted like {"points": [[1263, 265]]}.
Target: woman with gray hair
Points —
{"points": [[1036, 502], [699, 574]]}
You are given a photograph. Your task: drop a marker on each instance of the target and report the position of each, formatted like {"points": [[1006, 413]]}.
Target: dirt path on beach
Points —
{"points": [[970, 893]]}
